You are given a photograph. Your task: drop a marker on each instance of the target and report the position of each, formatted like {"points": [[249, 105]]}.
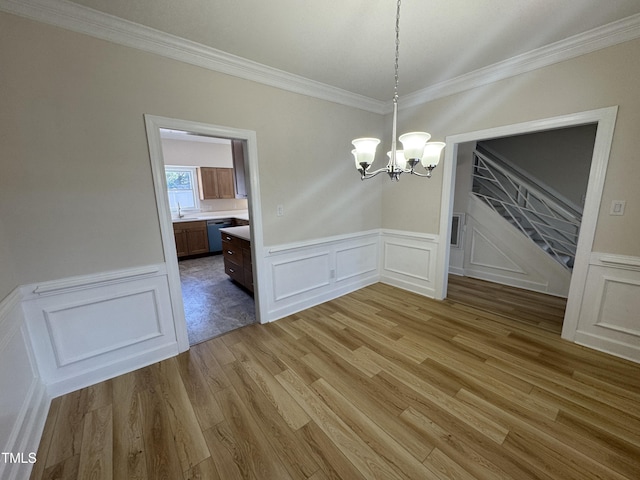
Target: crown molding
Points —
{"points": [[77, 18], [581, 44], [74, 17]]}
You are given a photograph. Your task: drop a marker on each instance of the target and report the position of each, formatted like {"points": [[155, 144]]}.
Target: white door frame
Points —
{"points": [[605, 119], [153, 125]]}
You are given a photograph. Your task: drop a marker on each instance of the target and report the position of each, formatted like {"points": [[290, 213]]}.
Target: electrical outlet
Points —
{"points": [[280, 210], [617, 207]]}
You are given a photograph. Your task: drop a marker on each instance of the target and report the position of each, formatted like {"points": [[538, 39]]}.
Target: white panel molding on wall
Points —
{"points": [[609, 319], [305, 274], [408, 261], [90, 328], [24, 402]]}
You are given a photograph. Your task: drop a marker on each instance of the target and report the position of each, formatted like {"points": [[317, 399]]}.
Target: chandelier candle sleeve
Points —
{"points": [[365, 150], [431, 155], [414, 144]]}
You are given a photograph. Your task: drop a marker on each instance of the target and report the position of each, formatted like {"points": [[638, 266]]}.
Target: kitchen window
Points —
{"points": [[182, 186]]}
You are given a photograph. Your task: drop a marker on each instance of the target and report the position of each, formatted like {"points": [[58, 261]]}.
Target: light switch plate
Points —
{"points": [[617, 207]]}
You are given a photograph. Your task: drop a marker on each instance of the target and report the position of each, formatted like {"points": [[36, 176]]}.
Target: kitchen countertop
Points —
{"points": [[194, 217], [243, 232]]}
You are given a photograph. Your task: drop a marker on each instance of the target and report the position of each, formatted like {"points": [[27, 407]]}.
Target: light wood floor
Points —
{"points": [[378, 384]]}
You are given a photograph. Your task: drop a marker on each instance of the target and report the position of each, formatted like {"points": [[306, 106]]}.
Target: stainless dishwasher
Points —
{"points": [[213, 231]]}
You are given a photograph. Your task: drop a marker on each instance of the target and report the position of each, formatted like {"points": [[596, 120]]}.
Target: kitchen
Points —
{"points": [[209, 209]]}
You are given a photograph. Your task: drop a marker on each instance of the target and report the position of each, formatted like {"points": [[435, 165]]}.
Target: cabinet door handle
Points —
{"points": [[232, 270], [228, 238], [229, 252]]}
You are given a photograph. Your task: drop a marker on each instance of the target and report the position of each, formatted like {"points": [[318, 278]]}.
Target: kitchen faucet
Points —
{"points": [[180, 214]]}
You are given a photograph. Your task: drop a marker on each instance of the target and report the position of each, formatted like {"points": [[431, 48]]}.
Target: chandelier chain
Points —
{"points": [[395, 91]]}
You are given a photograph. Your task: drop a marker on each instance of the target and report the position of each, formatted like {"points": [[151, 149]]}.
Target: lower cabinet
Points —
{"points": [[191, 238], [237, 259]]}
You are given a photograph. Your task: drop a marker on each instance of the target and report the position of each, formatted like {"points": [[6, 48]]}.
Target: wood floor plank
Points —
{"points": [[205, 470], [251, 450], [296, 457], [207, 410], [378, 384], [159, 446], [445, 468], [96, 457], [550, 432], [376, 437], [65, 470], [327, 454], [189, 442], [473, 418], [354, 448], [291, 412], [129, 462], [367, 396], [68, 428]]}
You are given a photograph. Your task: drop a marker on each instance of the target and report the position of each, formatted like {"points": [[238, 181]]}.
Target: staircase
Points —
{"points": [[544, 216]]}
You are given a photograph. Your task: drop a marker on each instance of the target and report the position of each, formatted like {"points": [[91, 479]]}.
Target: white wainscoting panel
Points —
{"points": [[88, 329], [409, 261], [609, 318], [24, 403], [287, 281], [306, 274]]}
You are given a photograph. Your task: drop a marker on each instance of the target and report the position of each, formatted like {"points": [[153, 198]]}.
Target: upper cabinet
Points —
{"points": [[215, 183], [237, 148]]}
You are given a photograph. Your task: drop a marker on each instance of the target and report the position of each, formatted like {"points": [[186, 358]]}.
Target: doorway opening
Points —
{"points": [[206, 299], [207, 198], [605, 121]]}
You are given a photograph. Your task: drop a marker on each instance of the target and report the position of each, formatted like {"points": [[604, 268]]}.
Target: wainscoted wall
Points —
{"points": [[609, 315], [301, 275], [87, 329], [408, 261], [24, 402]]}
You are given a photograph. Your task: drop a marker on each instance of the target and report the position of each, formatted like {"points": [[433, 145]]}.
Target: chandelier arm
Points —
{"points": [[367, 175]]}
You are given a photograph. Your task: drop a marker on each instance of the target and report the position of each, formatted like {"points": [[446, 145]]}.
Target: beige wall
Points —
{"points": [[600, 79], [76, 193], [7, 267]]}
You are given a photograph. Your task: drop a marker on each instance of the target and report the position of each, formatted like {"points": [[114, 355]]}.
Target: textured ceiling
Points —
{"points": [[350, 44]]}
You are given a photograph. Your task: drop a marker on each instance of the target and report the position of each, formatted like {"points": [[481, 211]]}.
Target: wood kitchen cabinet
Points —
{"points": [[191, 238], [214, 183], [237, 257], [237, 149]]}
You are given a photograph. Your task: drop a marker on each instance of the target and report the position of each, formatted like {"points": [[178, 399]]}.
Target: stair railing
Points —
{"points": [[547, 220]]}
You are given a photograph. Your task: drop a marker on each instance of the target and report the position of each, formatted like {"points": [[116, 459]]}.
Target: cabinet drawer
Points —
{"points": [[235, 271], [232, 253], [231, 239]]}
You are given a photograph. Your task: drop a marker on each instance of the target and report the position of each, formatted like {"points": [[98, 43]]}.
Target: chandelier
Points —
{"points": [[416, 145]]}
